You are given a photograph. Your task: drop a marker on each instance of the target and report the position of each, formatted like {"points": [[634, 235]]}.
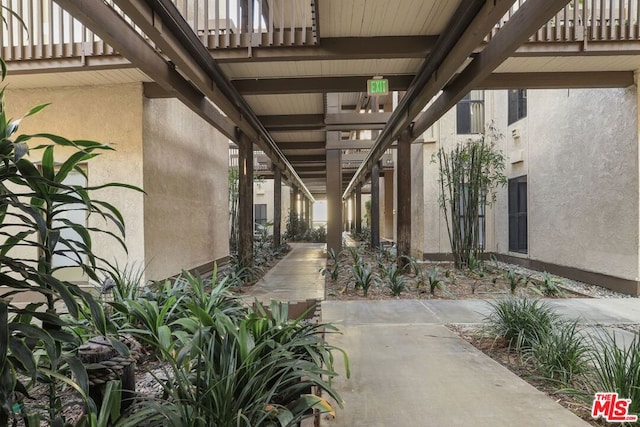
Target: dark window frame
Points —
{"points": [[517, 205], [259, 219], [517, 105], [465, 125]]}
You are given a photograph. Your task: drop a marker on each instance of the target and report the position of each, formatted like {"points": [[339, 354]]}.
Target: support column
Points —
{"points": [[375, 205], [388, 204], [358, 209], [334, 199], [404, 195], [245, 200], [307, 211], [277, 208]]}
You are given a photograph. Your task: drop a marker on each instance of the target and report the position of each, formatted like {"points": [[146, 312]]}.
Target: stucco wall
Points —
{"points": [[581, 159], [110, 114], [443, 134], [186, 210], [263, 191]]}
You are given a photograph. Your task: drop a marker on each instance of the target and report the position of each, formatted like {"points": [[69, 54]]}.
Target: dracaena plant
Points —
{"points": [[34, 201]]}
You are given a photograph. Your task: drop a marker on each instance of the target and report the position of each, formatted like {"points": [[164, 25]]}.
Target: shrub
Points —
{"points": [[434, 282], [561, 354], [616, 368], [363, 277], [521, 321], [229, 364], [549, 286]]}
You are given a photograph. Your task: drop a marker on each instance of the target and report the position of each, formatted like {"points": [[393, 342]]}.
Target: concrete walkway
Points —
{"points": [[407, 369], [296, 277]]}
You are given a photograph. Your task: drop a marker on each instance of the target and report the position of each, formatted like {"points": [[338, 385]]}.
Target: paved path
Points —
{"points": [[296, 277], [407, 369]]}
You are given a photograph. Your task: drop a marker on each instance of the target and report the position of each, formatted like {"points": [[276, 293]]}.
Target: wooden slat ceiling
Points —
{"points": [[570, 63], [76, 78], [368, 18]]}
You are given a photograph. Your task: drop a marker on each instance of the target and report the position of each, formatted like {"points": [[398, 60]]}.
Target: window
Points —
{"points": [[517, 105], [470, 113], [518, 214], [260, 215]]}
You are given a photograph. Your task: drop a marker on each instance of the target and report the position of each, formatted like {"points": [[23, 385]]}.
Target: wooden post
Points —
{"points": [[358, 209], [404, 196], [334, 200], [277, 208], [375, 205], [245, 200]]}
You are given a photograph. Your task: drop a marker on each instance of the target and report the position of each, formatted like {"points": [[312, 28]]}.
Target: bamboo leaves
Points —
{"points": [[469, 175]]}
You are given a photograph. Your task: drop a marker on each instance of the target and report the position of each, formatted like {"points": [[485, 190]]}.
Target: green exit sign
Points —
{"points": [[377, 87]]}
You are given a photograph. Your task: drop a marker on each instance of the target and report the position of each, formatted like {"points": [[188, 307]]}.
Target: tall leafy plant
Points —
{"points": [[35, 341], [234, 192], [469, 175]]}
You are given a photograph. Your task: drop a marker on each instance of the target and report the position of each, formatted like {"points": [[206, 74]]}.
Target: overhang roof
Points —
{"points": [[323, 47]]}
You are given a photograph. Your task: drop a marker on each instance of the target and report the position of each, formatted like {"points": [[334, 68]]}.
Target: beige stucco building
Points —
{"points": [[572, 164], [161, 147]]}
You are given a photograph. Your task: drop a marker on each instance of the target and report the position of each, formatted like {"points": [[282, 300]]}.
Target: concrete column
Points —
{"points": [[388, 205], [277, 208], [358, 209], [404, 195], [375, 205], [334, 200], [245, 200]]}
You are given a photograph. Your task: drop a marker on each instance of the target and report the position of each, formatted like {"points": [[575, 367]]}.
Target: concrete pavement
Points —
{"points": [[408, 369]]}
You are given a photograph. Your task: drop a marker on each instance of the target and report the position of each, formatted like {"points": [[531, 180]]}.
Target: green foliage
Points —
{"points": [[468, 176], [434, 282], [514, 279], [549, 287], [363, 276], [332, 268], [36, 343], [397, 283], [521, 321], [561, 354], [233, 176], [616, 368], [230, 364]]}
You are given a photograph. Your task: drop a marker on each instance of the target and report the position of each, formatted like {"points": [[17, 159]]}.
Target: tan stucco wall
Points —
{"points": [[110, 114], [263, 191], [186, 212], [579, 150], [581, 158], [443, 135]]}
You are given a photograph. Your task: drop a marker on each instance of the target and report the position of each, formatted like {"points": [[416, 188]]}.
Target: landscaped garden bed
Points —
{"points": [[357, 268], [558, 355]]}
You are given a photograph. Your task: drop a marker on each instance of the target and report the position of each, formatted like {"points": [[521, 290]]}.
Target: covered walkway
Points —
{"points": [[408, 369]]}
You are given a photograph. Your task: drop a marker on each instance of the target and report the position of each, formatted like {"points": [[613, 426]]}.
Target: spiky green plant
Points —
{"points": [[561, 354], [434, 282], [521, 321]]}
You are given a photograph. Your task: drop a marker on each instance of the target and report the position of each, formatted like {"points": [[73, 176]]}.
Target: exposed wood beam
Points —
{"points": [[293, 122], [578, 48], [356, 119], [166, 27], [342, 48], [566, 80], [302, 145], [350, 144], [299, 159], [316, 84], [527, 19], [466, 30], [105, 22]]}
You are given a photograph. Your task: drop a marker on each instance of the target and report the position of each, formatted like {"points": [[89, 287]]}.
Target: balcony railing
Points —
{"points": [[48, 32], [245, 23], [586, 20]]}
